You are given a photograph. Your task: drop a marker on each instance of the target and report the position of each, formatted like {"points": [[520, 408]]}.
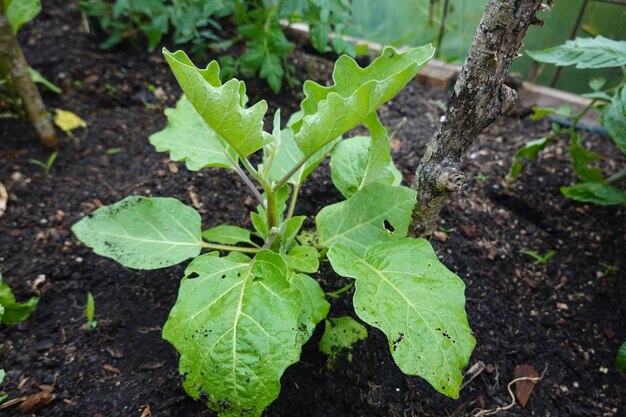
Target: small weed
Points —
{"points": [[90, 310], [45, 165], [539, 259]]}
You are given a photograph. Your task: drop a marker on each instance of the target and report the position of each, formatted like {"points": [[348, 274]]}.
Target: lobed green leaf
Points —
{"points": [[356, 93], [598, 52], [403, 289], [143, 233], [187, 138], [221, 106]]}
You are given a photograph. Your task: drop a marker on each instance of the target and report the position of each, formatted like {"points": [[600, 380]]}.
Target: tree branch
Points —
{"points": [[11, 53], [479, 97]]}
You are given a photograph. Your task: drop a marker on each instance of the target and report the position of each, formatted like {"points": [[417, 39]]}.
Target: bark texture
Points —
{"points": [[17, 66], [479, 97]]}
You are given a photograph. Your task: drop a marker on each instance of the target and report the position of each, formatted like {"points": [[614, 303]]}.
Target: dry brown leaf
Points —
{"points": [[111, 369], [442, 236], [524, 388], [146, 411], [35, 402]]}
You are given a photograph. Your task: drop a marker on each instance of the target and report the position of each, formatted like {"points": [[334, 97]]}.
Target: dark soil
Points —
{"points": [[565, 317]]}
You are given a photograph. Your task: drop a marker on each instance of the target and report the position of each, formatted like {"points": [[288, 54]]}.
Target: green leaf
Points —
{"points": [[541, 112], [594, 192], [598, 52], [228, 235], [331, 111], [19, 12], [189, 139], [620, 361], [2, 374], [614, 118], [12, 312], [352, 166], [597, 83], [529, 150], [143, 233], [221, 106], [314, 306], [91, 307], [303, 259], [581, 158], [272, 71], [403, 289], [236, 328], [378, 212], [38, 78], [288, 155], [340, 334]]}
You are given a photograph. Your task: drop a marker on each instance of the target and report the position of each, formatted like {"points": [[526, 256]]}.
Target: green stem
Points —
{"points": [[272, 215], [617, 178], [336, 294], [229, 248], [294, 199], [580, 115], [246, 180], [289, 174]]}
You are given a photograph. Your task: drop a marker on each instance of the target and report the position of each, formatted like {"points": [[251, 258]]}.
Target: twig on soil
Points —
{"points": [[481, 413]]}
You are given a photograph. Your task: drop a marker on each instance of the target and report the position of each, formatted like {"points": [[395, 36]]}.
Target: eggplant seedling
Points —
{"points": [[247, 305], [90, 310]]}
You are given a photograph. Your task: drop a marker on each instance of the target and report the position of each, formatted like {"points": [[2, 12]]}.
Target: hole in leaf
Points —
{"points": [[397, 341], [389, 227], [193, 275]]}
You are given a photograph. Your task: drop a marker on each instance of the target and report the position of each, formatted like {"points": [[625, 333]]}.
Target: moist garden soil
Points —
{"points": [[565, 318]]}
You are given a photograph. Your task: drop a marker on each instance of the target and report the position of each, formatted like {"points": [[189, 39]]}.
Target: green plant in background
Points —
{"points": [[46, 166], [198, 22], [340, 334], [90, 310], [241, 318], [596, 52], [620, 361], [539, 258], [125, 20], [3, 395], [12, 312]]}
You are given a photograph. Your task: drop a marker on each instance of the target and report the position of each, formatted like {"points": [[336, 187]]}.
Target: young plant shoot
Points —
{"points": [[244, 309], [589, 53]]}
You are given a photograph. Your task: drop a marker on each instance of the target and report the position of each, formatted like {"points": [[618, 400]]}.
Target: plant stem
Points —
{"points": [[294, 199], [336, 294], [617, 178], [229, 248], [272, 215], [289, 174], [246, 180], [12, 55], [479, 97]]}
